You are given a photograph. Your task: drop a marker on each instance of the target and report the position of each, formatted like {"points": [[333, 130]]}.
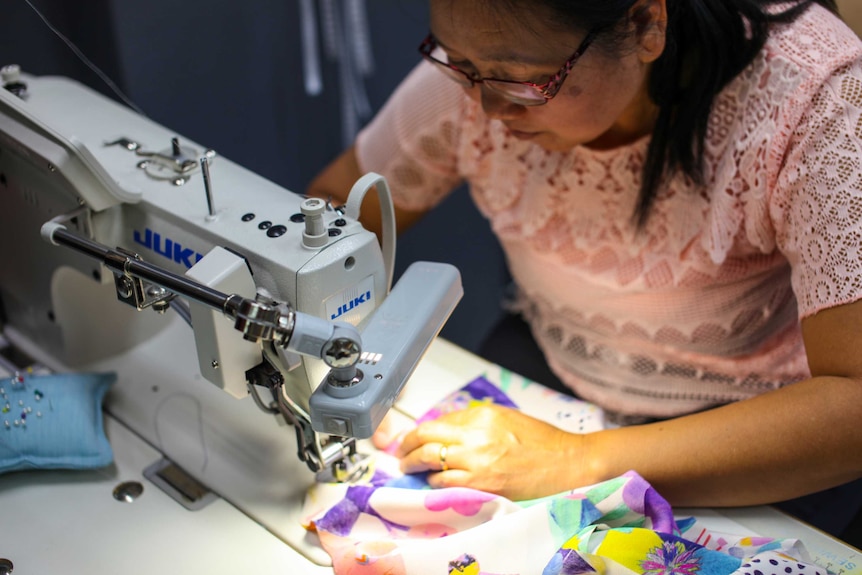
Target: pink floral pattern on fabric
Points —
{"points": [[671, 558], [466, 502]]}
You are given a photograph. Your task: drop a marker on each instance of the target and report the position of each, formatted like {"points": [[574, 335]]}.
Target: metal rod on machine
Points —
{"points": [[257, 321], [126, 264]]}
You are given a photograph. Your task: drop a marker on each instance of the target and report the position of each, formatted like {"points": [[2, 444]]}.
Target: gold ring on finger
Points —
{"points": [[444, 451]]}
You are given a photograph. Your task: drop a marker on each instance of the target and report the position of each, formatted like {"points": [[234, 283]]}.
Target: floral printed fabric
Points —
{"points": [[617, 527], [390, 523]]}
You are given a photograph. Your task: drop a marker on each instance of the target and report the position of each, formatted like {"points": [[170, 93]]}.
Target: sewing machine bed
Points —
{"points": [[65, 521]]}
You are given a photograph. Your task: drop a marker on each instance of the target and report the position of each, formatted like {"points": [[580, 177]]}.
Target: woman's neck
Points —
{"points": [[637, 121]]}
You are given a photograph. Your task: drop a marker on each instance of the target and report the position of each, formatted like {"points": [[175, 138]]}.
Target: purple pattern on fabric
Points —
{"points": [[671, 554], [360, 494], [340, 518], [659, 511], [480, 389], [634, 491], [381, 479], [343, 515], [573, 563], [640, 497], [567, 562]]}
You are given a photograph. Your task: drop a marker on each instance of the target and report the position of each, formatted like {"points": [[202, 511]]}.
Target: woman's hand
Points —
{"points": [[495, 449]]}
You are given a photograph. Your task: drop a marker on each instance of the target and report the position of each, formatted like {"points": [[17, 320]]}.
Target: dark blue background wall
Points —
{"points": [[228, 75]]}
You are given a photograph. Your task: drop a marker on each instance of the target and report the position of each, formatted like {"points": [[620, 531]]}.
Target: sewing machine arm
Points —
{"points": [[351, 401]]}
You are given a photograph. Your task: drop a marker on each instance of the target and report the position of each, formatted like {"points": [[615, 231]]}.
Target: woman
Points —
{"points": [[679, 206]]}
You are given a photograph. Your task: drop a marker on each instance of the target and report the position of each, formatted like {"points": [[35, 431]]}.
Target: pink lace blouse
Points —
{"points": [[703, 306]]}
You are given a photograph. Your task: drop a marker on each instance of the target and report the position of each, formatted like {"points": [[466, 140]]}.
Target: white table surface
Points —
{"points": [[68, 522]]}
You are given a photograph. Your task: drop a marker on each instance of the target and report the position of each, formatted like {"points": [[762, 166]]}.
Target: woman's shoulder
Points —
{"points": [[797, 61], [817, 43]]}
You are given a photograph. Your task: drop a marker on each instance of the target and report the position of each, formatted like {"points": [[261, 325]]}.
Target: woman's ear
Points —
{"points": [[649, 17]]}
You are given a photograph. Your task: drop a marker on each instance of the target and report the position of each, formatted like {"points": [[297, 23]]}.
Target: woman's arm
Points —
{"points": [[795, 440]]}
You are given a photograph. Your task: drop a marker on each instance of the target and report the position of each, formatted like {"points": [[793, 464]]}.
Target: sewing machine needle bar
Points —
{"points": [[205, 170], [122, 263]]}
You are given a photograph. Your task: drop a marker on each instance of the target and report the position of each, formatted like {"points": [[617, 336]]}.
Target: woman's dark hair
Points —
{"points": [[708, 43]]}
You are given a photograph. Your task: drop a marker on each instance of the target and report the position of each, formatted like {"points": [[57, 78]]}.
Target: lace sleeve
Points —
{"points": [[413, 140], [817, 206]]}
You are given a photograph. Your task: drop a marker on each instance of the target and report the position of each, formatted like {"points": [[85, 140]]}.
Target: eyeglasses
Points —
{"points": [[523, 93]]}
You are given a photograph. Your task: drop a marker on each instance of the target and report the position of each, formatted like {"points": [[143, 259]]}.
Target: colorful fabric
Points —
{"points": [[391, 523], [701, 307], [617, 527], [502, 387]]}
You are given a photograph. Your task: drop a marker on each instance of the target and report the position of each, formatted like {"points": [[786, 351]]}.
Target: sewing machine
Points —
{"points": [[256, 333], [98, 204]]}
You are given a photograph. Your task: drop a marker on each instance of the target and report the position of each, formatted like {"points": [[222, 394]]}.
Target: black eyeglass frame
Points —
{"points": [[547, 90]]}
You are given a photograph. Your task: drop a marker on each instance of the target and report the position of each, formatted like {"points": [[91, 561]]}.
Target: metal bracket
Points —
{"points": [[179, 485]]}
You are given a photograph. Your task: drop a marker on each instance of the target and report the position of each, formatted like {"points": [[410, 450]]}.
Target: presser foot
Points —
{"points": [[347, 470]]}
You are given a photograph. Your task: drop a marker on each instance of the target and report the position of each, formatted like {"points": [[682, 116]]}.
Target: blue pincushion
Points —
{"points": [[54, 421]]}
